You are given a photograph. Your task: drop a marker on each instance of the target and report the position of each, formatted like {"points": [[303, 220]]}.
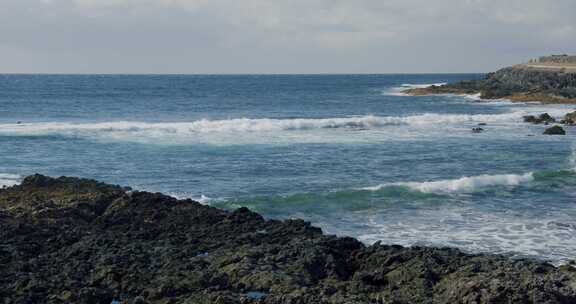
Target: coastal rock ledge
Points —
{"points": [[71, 240], [550, 79]]}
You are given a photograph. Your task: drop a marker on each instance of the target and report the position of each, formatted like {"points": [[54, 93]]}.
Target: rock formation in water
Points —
{"points": [[555, 130], [549, 80], [544, 118], [70, 240]]}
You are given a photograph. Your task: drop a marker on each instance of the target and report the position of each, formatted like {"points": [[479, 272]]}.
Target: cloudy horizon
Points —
{"points": [[280, 36]]}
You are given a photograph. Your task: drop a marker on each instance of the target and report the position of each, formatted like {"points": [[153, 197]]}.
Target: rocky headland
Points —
{"points": [[71, 240], [549, 79]]}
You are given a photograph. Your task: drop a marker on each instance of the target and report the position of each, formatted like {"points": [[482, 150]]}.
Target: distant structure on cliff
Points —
{"points": [[555, 59]]}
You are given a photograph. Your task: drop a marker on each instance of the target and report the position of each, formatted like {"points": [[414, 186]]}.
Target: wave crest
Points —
{"points": [[422, 85], [8, 180], [397, 91], [249, 125], [461, 185]]}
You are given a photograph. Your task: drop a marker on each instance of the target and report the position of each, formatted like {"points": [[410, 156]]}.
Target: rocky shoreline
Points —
{"points": [[71, 240], [521, 83], [568, 120]]}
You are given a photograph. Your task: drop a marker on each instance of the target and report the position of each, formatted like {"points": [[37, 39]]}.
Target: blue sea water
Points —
{"points": [[347, 152]]}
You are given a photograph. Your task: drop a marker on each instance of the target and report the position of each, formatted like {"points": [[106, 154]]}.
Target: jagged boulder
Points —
{"points": [[544, 118], [555, 130]]}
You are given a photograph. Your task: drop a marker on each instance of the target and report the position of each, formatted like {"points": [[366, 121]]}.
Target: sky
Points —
{"points": [[280, 36]]}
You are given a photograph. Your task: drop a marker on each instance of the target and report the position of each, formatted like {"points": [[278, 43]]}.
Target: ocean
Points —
{"points": [[349, 153]]}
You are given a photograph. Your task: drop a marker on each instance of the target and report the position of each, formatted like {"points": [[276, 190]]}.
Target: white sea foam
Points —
{"points": [[245, 125], [473, 96], [422, 86], [7, 180], [461, 185], [551, 236], [572, 159], [202, 199], [397, 91]]}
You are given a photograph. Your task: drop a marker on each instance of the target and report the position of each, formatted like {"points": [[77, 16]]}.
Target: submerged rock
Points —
{"points": [[542, 118], [477, 130], [555, 130], [70, 240]]}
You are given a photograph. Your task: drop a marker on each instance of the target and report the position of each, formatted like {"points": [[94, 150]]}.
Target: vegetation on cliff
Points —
{"points": [[70, 240]]}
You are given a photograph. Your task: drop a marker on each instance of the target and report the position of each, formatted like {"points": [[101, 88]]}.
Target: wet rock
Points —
{"points": [[70, 240], [88, 295], [477, 130], [521, 83], [530, 118], [544, 118], [569, 119], [555, 130]]}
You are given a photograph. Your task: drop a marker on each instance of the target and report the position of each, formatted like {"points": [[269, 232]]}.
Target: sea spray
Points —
{"points": [[572, 158], [461, 185], [398, 91], [246, 125], [7, 179]]}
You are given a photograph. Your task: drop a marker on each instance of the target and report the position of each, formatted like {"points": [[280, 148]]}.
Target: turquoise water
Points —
{"points": [[347, 152]]}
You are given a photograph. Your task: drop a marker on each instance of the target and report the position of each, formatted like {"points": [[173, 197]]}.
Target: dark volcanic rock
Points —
{"points": [[542, 118], [477, 130], [555, 130], [569, 119], [70, 240], [522, 82]]}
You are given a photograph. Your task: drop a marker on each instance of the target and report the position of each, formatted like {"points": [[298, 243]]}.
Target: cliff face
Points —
{"points": [[540, 81], [524, 79], [70, 240]]}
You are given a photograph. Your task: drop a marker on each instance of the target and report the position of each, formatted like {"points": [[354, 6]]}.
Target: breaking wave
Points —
{"points": [[393, 194], [244, 125], [397, 91], [461, 185], [422, 86], [202, 199], [475, 97], [7, 180]]}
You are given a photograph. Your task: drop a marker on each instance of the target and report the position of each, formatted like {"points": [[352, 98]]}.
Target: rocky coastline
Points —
{"points": [[548, 80], [72, 240]]}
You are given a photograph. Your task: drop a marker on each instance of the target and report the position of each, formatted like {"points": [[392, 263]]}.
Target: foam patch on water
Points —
{"points": [[421, 85], [283, 131], [244, 125], [461, 185], [572, 159], [202, 199], [8, 180], [552, 237], [473, 96], [397, 91]]}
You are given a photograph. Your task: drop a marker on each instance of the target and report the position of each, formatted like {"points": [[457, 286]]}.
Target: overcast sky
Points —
{"points": [[280, 36]]}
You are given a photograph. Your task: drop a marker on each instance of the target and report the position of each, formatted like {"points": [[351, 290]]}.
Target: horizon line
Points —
{"points": [[229, 74]]}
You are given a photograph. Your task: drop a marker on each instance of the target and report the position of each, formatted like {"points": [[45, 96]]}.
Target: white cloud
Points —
{"points": [[374, 28], [362, 15]]}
